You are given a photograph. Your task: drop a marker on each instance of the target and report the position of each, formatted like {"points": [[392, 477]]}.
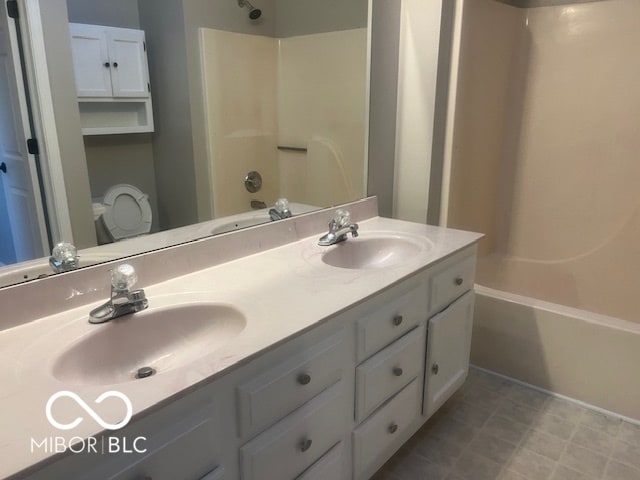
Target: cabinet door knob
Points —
{"points": [[397, 320], [458, 281], [393, 428], [304, 379], [107, 64], [397, 371], [115, 64], [435, 368], [305, 445], [3, 167]]}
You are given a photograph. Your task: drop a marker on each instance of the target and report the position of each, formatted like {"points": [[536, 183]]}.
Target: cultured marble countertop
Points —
{"points": [[282, 292]]}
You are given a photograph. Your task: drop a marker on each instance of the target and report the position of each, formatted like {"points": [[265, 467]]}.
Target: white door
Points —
{"points": [[91, 62], [448, 348], [129, 71], [20, 181]]}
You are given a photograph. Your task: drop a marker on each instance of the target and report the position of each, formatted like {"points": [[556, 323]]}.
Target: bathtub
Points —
{"points": [[589, 357]]}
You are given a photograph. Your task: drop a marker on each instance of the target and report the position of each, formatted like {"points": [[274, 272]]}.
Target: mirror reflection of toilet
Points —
{"points": [[124, 212]]}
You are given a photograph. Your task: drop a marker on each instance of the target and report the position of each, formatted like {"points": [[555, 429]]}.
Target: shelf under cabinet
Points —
{"points": [[105, 117]]}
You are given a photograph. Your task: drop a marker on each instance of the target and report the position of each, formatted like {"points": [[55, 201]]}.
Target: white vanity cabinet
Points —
{"points": [[449, 337], [179, 441], [112, 79], [333, 403]]}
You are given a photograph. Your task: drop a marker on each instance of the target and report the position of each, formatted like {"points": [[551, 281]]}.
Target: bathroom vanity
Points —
{"points": [[291, 361]]}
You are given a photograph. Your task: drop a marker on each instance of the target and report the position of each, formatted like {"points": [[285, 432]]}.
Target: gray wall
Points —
{"points": [[114, 159], [65, 104], [385, 44], [163, 22], [305, 17], [114, 13]]}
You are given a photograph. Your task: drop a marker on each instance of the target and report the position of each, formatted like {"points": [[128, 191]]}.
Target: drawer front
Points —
{"points": [[391, 320], [388, 371], [287, 449], [165, 454], [269, 397], [330, 466], [379, 437], [450, 280]]}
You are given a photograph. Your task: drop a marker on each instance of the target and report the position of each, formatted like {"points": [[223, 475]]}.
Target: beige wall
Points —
{"points": [[321, 106], [306, 91], [545, 150], [240, 97]]}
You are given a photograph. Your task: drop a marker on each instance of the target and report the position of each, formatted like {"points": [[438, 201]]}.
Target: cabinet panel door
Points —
{"points": [[129, 71], [448, 347], [90, 61]]}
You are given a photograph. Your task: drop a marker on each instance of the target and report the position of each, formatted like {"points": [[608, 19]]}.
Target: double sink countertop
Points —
{"points": [[262, 299]]}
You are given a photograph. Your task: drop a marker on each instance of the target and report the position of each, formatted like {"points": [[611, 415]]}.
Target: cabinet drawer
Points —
{"points": [[285, 450], [383, 324], [330, 466], [388, 371], [379, 437], [450, 280], [166, 454], [269, 397]]}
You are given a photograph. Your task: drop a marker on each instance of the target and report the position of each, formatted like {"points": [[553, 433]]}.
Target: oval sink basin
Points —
{"points": [[373, 252], [162, 339]]}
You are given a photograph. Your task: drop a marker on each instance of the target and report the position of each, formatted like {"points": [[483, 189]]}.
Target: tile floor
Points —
{"points": [[496, 429]]}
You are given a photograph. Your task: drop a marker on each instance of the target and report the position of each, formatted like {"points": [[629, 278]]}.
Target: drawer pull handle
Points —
{"points": [[459, 281], [305, 445], [393, 428], [435, 368], [397, 320], [304, 379], [397, 371]]}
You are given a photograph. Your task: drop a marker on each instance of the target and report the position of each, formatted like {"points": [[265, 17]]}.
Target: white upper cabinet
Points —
{"points": [[112, 79], [109, 61]]}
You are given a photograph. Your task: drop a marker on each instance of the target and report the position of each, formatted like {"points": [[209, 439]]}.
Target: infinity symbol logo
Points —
{"points": [[89, 410]]}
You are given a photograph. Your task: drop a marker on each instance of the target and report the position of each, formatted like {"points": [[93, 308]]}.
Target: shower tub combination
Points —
{"points": [[544, 161]]}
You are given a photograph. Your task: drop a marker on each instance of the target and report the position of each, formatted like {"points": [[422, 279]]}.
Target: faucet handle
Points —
{"points": [[342, 218], [123, 277], [282, 207], [64, 257]]}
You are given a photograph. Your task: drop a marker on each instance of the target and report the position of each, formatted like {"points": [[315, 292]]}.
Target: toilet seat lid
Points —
{"points": [[127, 211]]}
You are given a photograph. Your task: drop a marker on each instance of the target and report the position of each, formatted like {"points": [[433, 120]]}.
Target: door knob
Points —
{"points": [[3, 167]]}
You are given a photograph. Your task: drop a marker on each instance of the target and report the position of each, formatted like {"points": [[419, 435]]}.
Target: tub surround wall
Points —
{"points": [[544, 162], [310, 94], [544, 143]]}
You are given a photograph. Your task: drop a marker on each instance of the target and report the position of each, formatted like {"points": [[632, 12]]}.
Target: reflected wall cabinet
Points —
{"points": [[112, 79]]}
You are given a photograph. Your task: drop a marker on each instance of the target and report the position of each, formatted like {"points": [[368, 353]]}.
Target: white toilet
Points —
{"points": [[124, 212]]}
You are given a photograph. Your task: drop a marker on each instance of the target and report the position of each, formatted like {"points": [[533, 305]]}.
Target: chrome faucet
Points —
{"points": [[123, 300], [64, 257], [280, 210], [339, 226]]}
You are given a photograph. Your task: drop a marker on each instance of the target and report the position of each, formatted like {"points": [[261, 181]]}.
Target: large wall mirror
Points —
{"points": [[246, 103]]}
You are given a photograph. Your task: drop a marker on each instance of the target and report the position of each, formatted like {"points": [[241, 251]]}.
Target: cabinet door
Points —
{"points": [[129, 71], [90, 60], [448, 347]]}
